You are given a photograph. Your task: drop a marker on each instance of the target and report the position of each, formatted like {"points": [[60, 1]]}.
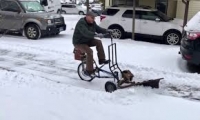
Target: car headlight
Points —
{"points": [[49, 21]]}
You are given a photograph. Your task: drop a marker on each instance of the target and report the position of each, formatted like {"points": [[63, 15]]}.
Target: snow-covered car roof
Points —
{"points": [[193, 24]]}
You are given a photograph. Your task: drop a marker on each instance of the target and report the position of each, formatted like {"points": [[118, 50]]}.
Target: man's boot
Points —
{"points": [[89, 73]]}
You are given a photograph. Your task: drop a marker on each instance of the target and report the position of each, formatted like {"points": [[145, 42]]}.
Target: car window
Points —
{"points": [[110, 12], [67, 6], [9, 6], [129, 14], [148, 15]]}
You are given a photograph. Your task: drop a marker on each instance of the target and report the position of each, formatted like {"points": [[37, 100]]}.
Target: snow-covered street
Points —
{"points": [[39, 80]]}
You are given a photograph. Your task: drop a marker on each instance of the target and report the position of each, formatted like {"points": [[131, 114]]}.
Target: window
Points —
{"points": [[148, 15], [129, 14], [32, 6], [110, 12], [162, 16], [68, 6], [9, 6]]}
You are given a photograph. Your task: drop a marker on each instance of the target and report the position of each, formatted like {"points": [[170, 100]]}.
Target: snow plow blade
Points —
{"points": [[153, 83]]}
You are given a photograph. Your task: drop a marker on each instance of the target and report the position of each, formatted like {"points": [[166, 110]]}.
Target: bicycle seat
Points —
{"points": [[78, 54]]}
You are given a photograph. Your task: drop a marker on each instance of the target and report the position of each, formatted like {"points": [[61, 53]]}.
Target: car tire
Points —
{"points": [[61, 12], [172, 38], [81, 13], [118, 32], [57, 33], [32, 31]]}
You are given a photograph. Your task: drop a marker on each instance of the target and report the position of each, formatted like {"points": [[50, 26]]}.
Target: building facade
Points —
{"points": [[173, 8]]}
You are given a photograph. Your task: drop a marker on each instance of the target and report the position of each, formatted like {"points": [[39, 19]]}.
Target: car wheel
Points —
{"points": [[63, 12], [172, 38], [32, 31], [58, 12], [57, 33], [118, 32], [81, 13]]}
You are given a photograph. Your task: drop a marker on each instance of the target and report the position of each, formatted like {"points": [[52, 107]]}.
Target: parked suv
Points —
{"points": [[148, 22], [190, 43], [29, 18]]}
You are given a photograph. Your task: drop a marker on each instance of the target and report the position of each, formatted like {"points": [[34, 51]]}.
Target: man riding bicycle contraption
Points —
{"points": [[84, 38]]}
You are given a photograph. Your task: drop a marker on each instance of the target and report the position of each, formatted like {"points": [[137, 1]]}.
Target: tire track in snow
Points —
{"points": [[31, 48], [13, 60], [28, 64]]}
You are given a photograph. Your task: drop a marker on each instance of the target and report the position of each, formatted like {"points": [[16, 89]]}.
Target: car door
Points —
{"points": [[151, 24], [66, 8], [127, 21], [74, 9], [12, 18]]}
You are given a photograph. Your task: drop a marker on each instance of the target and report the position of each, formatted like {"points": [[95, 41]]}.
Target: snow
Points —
{"points": [[38, 81], [30, 97], [193, 25]]}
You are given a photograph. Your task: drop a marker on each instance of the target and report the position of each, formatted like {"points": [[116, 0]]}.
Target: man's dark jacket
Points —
{"points": [[84, 32]]}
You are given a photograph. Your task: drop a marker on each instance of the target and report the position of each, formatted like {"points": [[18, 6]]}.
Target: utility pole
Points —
{"points": [[87, 2], [133, 26], [104, 4], [186, 2]]}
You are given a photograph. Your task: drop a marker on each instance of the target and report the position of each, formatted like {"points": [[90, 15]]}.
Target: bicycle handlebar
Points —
{"points": [[110, 36]]}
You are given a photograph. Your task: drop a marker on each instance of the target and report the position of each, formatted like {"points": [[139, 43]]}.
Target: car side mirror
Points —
{"points": [[157, 19], [18, 11]]}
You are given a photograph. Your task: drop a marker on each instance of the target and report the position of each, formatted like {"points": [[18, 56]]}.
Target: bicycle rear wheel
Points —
{"points": [[81, 72]]}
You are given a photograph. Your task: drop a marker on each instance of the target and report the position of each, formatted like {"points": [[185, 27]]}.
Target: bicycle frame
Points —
{"points": [[113, 65], [99, 69], [112, 54]]}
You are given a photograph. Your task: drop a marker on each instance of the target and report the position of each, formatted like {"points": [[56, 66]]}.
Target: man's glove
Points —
{"points": [[99, 35], [109, 30]]}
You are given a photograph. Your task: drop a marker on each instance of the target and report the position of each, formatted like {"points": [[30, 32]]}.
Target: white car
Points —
{"points": [[73, 9], [97, 7], [148, 22]]}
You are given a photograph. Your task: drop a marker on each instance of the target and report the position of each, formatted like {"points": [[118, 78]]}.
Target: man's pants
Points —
{"points": [[86, 48]]}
